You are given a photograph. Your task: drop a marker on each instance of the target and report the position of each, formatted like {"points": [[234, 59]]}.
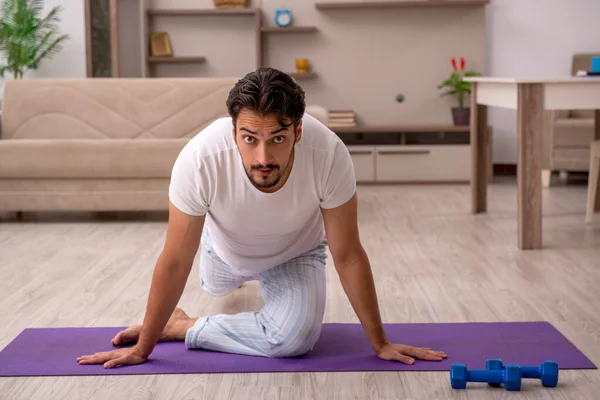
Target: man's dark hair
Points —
{"points": [[266, 91]]}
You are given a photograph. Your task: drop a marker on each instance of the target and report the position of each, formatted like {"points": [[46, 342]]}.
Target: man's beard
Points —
{"points": [[276, 170], [264, 184]]}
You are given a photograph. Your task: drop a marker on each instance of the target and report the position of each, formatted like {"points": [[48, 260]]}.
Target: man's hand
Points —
{"points": [[115, 358], [170, 275], [353, 266], [407, 354]]}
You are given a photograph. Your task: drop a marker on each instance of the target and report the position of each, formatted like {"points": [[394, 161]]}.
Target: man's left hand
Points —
{"points": [[408, 354]]}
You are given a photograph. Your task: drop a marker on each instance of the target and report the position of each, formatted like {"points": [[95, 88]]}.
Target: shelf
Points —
{"points": [[203, 11], [302, 75], [180, 59], [290, 29], [398, 3], [402, 129]]}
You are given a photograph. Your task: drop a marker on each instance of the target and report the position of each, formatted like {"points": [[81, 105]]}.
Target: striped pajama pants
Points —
{"points": [[289, 323]]}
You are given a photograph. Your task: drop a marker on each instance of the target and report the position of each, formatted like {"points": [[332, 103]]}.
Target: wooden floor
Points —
{"points": [[433, 262]]}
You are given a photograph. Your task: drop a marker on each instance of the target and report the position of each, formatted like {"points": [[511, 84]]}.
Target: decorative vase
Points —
{"points": [[461, 115]]}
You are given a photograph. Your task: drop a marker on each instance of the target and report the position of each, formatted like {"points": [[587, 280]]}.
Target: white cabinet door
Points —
{"points": [[437, 163], [363, 158]]}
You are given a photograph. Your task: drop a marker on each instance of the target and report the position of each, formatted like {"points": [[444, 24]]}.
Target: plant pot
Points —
{"points": [[461, 115]]}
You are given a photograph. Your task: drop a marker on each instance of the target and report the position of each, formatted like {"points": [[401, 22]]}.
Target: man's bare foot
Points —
{"points": [[175, 330]]}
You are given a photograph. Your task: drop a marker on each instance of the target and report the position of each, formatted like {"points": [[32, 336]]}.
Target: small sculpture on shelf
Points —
{"points": [[461, 115]]}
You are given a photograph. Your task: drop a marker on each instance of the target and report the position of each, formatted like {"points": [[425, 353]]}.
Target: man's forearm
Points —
{"points": [[168, 282], [357, 280]]}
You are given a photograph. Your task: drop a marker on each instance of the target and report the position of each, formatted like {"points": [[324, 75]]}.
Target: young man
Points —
{"points": [[261, 190]]}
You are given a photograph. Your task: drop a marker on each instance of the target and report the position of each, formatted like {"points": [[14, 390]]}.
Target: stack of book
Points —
{"points": [[342, 119]]}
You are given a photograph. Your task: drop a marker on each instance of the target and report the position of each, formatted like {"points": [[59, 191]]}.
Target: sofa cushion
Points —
{"points": [[110, 185], [89, 158], [124, 108]]}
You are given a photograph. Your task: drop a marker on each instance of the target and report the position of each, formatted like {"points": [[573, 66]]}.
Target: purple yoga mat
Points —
{"points": [[341, 347]]}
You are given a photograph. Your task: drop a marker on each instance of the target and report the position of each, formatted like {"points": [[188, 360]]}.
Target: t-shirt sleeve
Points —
{"points": [[186, 188], [339, 176]]}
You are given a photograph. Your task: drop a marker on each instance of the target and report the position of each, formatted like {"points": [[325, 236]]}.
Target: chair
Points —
{"points": [[593, 187], [568, 133]]}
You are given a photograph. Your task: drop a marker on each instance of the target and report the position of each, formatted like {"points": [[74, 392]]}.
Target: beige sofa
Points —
{"points": [[569, 133], [99, 144]]}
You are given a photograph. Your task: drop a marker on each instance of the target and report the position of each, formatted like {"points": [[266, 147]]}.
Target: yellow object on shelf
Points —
{"points": [[230, 3], [160, 46], [302, 65]]}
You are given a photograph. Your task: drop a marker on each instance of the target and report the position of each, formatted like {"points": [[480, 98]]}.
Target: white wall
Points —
{"points": [[70, 61], [524, 37], [534, 37], [362, 58]]}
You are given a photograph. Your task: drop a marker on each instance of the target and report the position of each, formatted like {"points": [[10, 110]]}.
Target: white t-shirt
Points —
{"points": [[251, 230]]}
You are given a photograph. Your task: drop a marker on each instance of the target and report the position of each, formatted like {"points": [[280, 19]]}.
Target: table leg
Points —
{"points": [[529, 165], [490, 154], [479, 152], [597, 130]]}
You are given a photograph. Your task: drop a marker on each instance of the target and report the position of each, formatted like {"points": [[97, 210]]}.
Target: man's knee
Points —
{"points": [[216, 278], [217, 292], [294, 310], [296, 340]]}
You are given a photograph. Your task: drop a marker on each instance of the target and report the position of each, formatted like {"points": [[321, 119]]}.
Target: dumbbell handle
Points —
{"points": [[531, 372], [485, 376]]}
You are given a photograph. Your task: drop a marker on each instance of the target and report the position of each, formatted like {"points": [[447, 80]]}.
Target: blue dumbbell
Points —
{"points": [[547, 372], [494, 365], [510, 376]]}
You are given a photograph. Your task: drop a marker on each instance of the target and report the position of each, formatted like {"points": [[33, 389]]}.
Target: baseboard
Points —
{"points": [[505, 169]]}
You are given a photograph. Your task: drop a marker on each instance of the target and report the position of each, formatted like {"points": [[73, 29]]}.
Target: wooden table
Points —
{"points": [[530, 97]]}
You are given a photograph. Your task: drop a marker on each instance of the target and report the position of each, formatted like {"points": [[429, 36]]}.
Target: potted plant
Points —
{"points": [[27, 37], [461, 115]]}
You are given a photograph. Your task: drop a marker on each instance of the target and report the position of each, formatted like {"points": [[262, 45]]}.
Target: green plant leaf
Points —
{"points": [[447, 82], [463, 86], [457, 85], [26, 36], [451, 92], [49, 51]]}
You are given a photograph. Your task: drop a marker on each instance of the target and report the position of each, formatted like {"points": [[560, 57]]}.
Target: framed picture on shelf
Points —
{"points": [[160, 45]]}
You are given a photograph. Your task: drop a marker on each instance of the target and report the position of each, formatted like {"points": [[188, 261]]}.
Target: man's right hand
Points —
{"points": [[172, 269], [115, 358]]}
